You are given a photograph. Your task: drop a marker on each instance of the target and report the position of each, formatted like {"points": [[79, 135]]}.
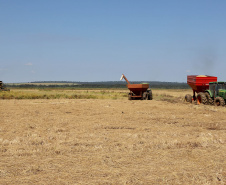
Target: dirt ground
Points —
{"points": [[111, 142]]}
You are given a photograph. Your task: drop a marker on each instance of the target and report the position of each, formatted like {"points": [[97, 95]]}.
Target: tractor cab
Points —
{"points": [[217, 89]]}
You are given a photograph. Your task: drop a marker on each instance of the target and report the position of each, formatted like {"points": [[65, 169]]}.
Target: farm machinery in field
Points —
{"points": [[208, 90], [3, 87], [138, 91]]}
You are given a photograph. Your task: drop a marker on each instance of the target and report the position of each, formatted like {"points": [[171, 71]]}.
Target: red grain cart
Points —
{"points": [[199, 83], [138, 91]]}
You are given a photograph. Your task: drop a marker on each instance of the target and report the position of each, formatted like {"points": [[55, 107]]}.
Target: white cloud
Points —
{"points": [[188, 71], [29, 64]]}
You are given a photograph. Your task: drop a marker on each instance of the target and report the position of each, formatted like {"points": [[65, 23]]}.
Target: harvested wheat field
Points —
{"points": [[112, 141]]}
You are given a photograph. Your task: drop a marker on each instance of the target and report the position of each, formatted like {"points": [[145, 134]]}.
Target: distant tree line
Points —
{"points": [[109, 84]]}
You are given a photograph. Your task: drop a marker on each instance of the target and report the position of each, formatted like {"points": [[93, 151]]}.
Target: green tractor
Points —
{"points": [[3, 87], [216, 94]]}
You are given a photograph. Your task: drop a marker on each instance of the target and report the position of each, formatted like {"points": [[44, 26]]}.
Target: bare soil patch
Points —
{"points": [[106, 141]]}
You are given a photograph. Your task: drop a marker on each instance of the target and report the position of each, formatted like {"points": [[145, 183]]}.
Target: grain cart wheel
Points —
{"points": [[209, 99], [150, 96], [201, 98], [219, 101], [188, 98], [129, 96], [145, 96]]}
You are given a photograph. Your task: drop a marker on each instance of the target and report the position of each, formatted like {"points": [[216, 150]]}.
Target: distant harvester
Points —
{"points": [[3, 87]]}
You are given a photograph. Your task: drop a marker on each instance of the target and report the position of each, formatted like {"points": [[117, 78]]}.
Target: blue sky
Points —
{"points": [[98, 40]]}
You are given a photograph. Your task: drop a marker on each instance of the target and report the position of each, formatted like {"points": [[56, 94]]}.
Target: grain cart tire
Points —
{"points": [[219, 101], [129, 97], [150, 96], [201, 98], [145, 96], [188, 98], [209, 99]]}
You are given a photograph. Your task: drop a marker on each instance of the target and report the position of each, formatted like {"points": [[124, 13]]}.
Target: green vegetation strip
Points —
{"points": [[113, 94], [61, 94]]}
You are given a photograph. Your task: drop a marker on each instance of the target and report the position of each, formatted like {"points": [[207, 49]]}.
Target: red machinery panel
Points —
{"points": [[137, 88], [199, 83]]}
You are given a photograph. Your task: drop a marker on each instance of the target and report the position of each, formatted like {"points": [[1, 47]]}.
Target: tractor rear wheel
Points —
{"points": [[209, 99], [129, 97], [201, 98], [219, 101], [188, 98]]}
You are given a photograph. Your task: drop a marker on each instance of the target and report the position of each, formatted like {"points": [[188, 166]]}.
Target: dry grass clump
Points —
{"points": [[171, 95]]}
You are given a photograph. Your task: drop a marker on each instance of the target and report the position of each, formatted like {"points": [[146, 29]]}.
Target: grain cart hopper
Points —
{"points": [[3, 87], [138, 91], [199, 85]]}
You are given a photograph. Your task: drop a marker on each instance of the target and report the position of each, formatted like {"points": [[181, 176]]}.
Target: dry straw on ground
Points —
{"points": [[106, 141]]}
